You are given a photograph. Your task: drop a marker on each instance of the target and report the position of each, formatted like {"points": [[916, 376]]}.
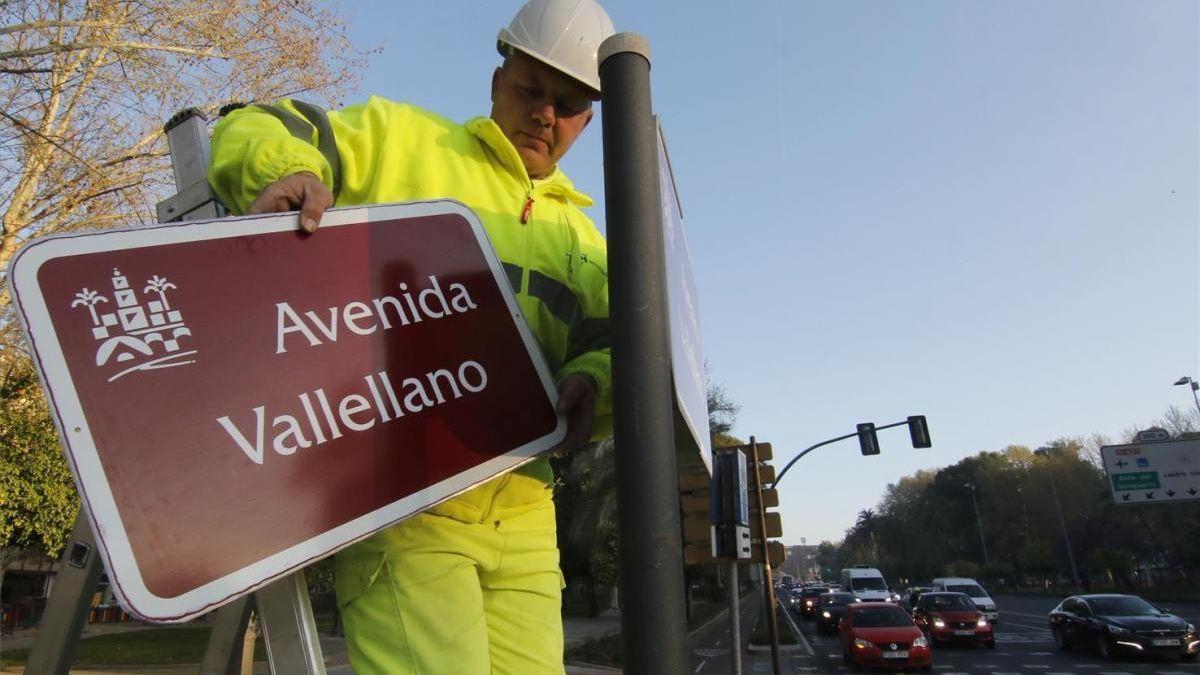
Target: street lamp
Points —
{"points": [[1195, 385], [1045, 452], [978, 521]]}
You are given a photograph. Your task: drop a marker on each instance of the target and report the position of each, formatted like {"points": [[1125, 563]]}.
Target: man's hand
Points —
{"points": [[576, 400], [300, 191]]}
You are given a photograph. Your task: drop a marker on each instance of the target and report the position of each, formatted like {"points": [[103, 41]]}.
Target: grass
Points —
{"points": [[149, 647]]}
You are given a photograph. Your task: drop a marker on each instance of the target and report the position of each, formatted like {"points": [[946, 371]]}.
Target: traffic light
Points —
{"points": [[867, 440], [919, 430]]}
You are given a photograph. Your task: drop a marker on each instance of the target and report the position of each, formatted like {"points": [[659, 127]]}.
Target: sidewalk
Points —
{"points": [[576, 631]]}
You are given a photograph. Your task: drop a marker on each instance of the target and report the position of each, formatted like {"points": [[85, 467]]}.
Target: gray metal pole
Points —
{"points": [[1063, 523], [653, 621], [735, 620], [979, 524], [68, 605]]}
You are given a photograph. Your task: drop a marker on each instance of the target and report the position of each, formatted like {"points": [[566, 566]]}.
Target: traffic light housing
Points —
{"points": [[918, 429], [867, 440]]}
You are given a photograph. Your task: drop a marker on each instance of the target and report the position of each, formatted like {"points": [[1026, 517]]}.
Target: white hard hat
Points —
{"points": [[563, 34]]}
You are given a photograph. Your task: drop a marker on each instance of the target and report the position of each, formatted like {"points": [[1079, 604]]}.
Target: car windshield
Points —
{"points": [[973, 590], [1123, 606], [812, 591], [868, 584], [836, 599], [880, 617], [947, 603]]}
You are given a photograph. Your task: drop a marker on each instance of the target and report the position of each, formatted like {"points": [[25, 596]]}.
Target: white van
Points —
{"points": [[867, 584], [973, 590]]}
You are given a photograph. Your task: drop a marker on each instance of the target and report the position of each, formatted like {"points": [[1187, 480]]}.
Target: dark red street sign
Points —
{"points": [[237, 400]]}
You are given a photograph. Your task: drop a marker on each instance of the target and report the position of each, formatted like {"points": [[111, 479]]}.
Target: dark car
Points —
{"points": [[880, 634], [952, 617], [830, 607], [808, 600], [1121, 624]]}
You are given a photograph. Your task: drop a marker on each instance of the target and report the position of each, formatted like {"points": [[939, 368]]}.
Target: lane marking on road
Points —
{"points": [[1034, 616], [1058, 672], [943, 667], [1032, 665], [1173, 672], [700, 667], [1041, 653], [1087, 665], [833, 655], [957, 673], [1114, 672], [1001, 672]]}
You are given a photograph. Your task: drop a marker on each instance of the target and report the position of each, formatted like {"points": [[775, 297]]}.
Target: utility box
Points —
{"points": [[730, 506]]}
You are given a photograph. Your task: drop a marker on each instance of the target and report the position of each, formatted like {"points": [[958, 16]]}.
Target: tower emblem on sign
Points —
{"points": [[139, 334]]}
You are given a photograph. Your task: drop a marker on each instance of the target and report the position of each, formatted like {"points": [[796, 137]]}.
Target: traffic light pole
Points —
{"points": [[832, 440], [769, 583]]}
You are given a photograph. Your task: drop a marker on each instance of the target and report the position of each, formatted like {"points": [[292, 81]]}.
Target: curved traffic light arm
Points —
{"points": [[917, 427]]}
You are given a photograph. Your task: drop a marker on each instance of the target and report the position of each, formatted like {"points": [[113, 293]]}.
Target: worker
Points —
{"points": [[472, 584]]}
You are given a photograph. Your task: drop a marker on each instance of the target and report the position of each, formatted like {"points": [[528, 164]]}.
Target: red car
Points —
{"points": [[952, 617], [881, 634]]}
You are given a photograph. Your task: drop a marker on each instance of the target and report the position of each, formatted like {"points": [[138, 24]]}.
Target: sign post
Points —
{"points": [[1153, 472], [654, 622]]}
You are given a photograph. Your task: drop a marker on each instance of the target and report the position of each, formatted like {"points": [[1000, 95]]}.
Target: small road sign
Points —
{"points": [[237, 400], [1153, 472]]}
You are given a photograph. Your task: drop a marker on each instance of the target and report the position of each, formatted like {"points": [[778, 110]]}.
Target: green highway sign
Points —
{"points": [[1141, 480]]}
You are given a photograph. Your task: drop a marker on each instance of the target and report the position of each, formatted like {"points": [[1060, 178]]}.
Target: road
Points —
{"points": [[1024, 646]]}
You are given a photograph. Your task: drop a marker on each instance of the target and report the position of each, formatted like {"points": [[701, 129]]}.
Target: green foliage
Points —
{"points": [[38, 502], [925, 525]]}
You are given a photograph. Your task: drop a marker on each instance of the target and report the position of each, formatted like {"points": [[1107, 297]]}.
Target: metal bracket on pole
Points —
{"points": [[68, 605]]}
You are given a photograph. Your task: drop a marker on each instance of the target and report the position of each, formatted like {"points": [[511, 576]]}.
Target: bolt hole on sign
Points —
{"points": [[237, 400]]}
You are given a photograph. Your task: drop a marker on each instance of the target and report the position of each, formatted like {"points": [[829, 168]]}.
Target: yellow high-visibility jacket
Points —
{"points": [[384, 151]]}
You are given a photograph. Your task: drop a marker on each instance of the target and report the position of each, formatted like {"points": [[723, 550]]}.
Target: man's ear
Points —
{"points": [[496, 75]]}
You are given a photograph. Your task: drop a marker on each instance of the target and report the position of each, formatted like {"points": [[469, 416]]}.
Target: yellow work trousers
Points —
{"points": [[471, 586]]}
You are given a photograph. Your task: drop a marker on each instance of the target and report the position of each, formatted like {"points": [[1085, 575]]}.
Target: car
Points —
{"points": [[978, 595], [952, 617], [808, 600], [830, 608], [881, 634], [867, 584], [1121, 624]]}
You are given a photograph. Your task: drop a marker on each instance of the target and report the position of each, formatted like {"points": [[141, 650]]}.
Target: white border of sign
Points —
{"points": [[84, 458], [687, 351]]}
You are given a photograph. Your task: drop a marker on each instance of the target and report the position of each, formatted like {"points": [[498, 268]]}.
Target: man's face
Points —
{"points": [[540, 110]]}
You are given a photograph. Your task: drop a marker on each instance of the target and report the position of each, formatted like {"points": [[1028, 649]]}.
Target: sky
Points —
{"points": [[983, 212]]}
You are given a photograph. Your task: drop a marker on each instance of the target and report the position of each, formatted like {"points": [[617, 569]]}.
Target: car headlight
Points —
{"points": [[808, 602], [982, 623], [857, 599], [1117, 630], [860, 643], [921, 642], [896, 597], [826, 614], [938, 622]]}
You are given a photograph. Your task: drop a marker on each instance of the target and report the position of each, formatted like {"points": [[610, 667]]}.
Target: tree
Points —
{"points": [[86, 88], [38, 503], [89, 83]]}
